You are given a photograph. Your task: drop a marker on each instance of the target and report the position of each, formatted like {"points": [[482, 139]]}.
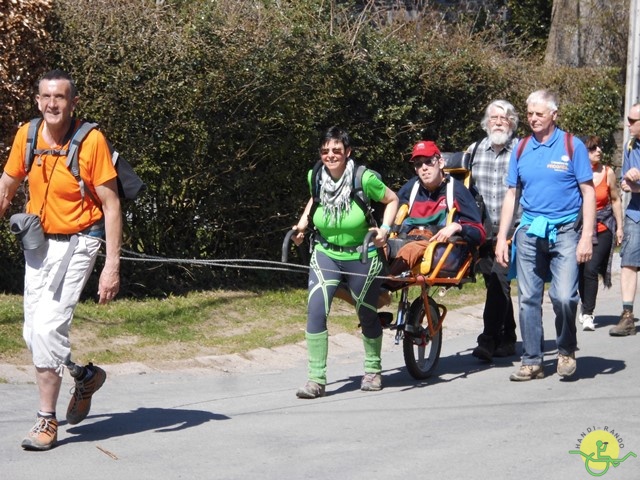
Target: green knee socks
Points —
{"points": [[317, 348], [372, 350]]}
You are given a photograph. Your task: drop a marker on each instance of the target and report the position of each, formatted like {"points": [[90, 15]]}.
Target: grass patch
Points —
{"points": [[200, 323]]}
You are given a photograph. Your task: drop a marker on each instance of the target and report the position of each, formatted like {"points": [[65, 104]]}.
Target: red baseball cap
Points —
{"points": [[424, 149]]}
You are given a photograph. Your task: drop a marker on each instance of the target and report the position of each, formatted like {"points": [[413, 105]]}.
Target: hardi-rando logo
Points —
{"points": [[600, 449]]}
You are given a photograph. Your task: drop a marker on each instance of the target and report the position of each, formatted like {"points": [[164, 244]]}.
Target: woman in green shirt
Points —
{"points": [[340, 227]]}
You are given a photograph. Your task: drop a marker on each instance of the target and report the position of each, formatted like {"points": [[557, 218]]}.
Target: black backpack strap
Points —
{"points": [[360, 197], [473, 155], [357, 190], [316, 172]]}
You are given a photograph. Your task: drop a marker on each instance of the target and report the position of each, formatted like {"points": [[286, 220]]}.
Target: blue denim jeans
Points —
{"points": [[536, 260]]}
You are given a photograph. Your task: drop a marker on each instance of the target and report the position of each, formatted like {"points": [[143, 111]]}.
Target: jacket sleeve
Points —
{"points": [[468, 215]]}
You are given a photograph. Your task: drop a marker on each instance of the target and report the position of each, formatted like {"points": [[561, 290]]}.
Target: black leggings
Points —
{"points": [[325, 276], [588, 279]]}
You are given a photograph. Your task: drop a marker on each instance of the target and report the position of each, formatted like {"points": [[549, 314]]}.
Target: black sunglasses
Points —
{"points": [[632, 120], [430, 161]]}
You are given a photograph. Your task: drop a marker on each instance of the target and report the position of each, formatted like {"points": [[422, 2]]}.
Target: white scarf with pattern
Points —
{"points": [[335, 196]]}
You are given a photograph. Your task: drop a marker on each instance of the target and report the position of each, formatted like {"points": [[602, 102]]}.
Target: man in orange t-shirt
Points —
{"points": [[57, 269]]}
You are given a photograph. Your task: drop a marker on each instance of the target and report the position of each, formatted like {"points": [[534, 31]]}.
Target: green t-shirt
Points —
{"points": [[352, 226]]}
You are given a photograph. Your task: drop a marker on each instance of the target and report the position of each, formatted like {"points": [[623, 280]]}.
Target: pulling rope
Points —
{"points": [[240, 263]]}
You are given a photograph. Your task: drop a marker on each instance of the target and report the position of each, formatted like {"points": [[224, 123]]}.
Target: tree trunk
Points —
{"points": [[588, 33]]}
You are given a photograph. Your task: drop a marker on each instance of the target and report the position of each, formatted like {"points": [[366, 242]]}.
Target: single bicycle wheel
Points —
{"points": [[421, 350]]}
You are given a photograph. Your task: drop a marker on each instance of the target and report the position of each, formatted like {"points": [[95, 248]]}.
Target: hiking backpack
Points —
{"points": [[129, 183], [372, 210]]}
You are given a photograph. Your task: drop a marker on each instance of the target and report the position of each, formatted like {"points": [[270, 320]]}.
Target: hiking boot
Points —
{"points": [[505, 350], [587, 322], [311, 390], [526, 373], [371, 382], [566, 365], [43, 435], [625, 326], [80, 402], [485, 349]]}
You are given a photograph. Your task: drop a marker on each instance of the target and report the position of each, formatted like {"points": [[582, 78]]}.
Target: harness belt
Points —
{"points": [[95, 230], [338, 248]]}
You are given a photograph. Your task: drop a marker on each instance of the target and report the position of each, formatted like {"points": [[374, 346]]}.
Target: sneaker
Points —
{"points": [[587, 323], [43, 435], [371, 382], [80, 402], [625, 326], [505, 350], [566, 365], [311, 390], [526, 373]]}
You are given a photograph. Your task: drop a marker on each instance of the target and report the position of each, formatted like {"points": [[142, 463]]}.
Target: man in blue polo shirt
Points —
{"points": [[630, 250], [553, 173]]}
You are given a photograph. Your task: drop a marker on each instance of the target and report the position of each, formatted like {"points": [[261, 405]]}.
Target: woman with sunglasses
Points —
{"points": [[608, 233], [340, 228]]}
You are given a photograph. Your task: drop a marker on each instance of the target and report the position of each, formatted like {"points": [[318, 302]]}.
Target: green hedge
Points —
{"points": [[219, 106]]}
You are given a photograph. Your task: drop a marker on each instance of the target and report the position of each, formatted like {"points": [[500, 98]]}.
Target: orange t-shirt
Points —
{"points": [[54, 193]]}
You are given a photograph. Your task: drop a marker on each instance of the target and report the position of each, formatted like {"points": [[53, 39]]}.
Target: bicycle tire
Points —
{"points": [[422, 351]]}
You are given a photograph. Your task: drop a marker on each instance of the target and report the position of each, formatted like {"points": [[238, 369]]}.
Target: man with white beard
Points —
{"points": [[489, 164]]}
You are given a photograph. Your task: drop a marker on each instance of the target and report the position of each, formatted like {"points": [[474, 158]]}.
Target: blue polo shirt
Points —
{"points": [[550, 179], [632, 159]]}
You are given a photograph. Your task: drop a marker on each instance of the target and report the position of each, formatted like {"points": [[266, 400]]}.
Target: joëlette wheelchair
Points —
{"points": [[419, 320]]}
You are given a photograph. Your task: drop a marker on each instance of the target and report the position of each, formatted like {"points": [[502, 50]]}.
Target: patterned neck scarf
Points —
{"points": [[335, 196]]}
